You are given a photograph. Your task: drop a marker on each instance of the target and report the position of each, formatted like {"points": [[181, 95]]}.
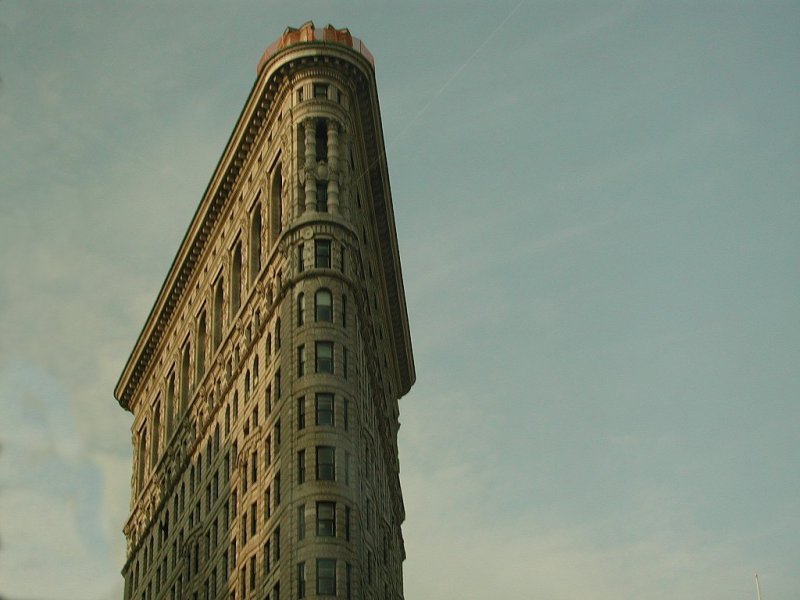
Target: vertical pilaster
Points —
{"points": [[345, 177], [333, 166], [309, 126]]}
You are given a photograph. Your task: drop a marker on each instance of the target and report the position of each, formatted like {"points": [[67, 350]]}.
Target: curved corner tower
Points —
{"points": [[264, 384]]}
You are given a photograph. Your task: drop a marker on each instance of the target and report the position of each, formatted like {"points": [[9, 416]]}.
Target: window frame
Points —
{"points": [[325, 467]]}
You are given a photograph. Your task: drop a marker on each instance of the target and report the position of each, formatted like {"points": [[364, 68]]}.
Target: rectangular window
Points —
{"points": [[320, 90], [322, 254], [301, 522], [346, 414], [278, 384], [326, 463], [326, 519], [301, 580], [326, 576], [301, 412], [344, 362], [276, 543], [300, 259], [253, 572], [322, 196], [324, 357], [341, 258], [301, 309], [301, 466], [267, 558], [324, 410], [301, 360], [347, 523], [277, 488], [347, 468], [268, 451], [349, 582], [253, 518], [254, 467]]}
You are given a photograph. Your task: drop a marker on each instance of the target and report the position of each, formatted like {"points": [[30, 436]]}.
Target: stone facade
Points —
{"points": [[265, 382]]}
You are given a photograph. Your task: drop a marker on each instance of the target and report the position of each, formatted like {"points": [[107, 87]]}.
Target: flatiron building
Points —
{"points": [[264, 385]]}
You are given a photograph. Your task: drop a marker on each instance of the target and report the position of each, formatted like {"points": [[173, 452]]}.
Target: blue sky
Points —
{"points": [[598, 210]]}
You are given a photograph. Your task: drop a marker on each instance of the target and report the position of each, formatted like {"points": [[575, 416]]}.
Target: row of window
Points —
{"points": [[325, 520], [324, 410], [323, 359], [322, 253], [325, 465], [323, 307], [325, 578], [321, 91]]}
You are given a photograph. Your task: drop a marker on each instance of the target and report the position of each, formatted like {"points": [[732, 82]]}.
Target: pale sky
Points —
{"points": [[598, 210]]}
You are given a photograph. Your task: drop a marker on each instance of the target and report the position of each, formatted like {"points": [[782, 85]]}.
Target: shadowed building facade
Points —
{"points": [[265, 383]]}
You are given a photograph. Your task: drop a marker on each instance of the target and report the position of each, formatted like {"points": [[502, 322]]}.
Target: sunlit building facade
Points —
{"points": [[264, 385]]}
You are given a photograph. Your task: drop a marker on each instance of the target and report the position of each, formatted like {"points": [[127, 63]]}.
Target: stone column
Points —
{"points": [[333, 166], [345, 177], [309, 125]]}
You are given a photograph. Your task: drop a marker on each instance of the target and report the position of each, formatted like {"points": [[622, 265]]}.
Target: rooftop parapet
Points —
{"points": [[307, 33]]}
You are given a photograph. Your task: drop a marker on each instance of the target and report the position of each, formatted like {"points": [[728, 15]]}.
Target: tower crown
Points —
{"points": [[307, 33]]}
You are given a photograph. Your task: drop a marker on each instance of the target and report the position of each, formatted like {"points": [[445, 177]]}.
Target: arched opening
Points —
{"points": [[170, 407], [255, 244], [141, 459], [185, 377], [321, 140], [236, 280], [154, 447], [276, 209], [200, 365], [217, 329]]}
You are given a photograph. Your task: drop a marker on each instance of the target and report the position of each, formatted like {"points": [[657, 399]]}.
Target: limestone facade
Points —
{"points": [[265, 382]]}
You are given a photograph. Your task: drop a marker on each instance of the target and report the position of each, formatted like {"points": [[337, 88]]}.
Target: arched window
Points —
{"points": [[255, 244], [277, 334], [255, 371], [301, 301], [217, 330], [156, 432], [141, 461], [276, 210], [170, 407], [185, 377], [200, 365], [323, 305], [236, 280], [321, 140]]}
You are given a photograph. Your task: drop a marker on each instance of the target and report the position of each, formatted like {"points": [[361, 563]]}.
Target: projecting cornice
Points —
{"points": [[280, 61]]}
